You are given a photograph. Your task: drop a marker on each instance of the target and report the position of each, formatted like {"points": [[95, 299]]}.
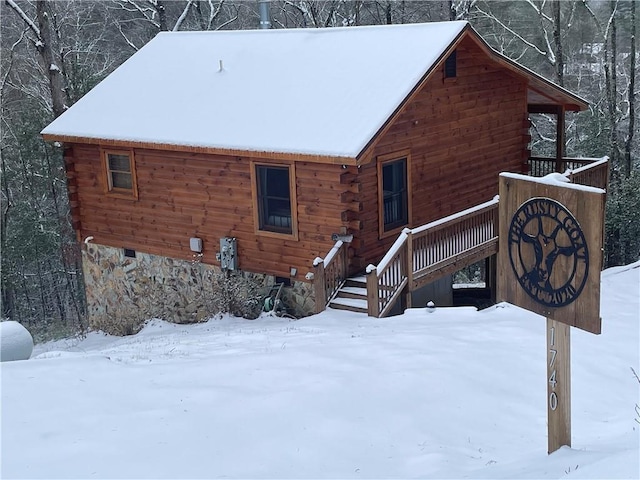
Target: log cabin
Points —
{"points": [[254, 151]]}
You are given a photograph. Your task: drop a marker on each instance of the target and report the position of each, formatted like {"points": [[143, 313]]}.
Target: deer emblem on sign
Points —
{"points": [[541, 232]]}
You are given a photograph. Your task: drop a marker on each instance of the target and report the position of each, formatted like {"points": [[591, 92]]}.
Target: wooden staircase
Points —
{"points": [[352, 295]]}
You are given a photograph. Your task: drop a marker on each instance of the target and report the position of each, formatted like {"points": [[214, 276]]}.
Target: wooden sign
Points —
{"points": [[550, 251], [549, 262]]}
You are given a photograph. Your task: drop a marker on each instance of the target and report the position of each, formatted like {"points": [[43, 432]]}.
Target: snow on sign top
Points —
{"points": [[308, 91]]}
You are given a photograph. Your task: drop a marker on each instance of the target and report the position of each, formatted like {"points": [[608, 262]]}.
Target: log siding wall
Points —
{"points": [[461, 132], [183, 195]]}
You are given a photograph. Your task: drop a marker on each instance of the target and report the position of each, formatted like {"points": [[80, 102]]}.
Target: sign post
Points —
{"points": [[558, 385], [549, 262]]}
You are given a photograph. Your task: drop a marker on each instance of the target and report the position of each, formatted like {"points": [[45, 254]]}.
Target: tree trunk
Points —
{"points": [[611, 78], [51, 60], [557, 39], [162, 16], [631, 95]]}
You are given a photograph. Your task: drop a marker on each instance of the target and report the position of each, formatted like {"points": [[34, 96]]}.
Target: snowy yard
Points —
{"points": [[451, 394]]}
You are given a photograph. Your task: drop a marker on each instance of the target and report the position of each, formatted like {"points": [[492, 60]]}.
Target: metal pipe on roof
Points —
{"points": [[265, 17]]}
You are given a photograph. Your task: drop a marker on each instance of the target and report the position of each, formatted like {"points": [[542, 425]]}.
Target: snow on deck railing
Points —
{"points": [[541, 166], [332, 253], [402, 238], [455, 216], [395, 248], [594, 174], [589, 166]]}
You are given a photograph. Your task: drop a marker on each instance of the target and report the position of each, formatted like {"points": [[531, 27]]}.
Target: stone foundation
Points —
{"points": [[123, 292]]}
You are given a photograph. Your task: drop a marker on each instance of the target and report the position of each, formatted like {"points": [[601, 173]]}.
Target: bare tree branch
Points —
{"points": [[214, 14], [30, 23], [183, 15], [514, 33]]}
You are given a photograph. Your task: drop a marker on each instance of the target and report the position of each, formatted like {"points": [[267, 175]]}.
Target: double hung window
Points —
{"points": [[393, 193], [120, 172], [275, 198]]}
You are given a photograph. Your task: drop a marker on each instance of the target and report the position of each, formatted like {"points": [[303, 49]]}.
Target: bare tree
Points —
{"points": [[631, 96]]}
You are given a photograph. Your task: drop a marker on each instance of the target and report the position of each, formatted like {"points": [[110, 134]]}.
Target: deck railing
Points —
{"points": [[437, 248], [594, 174], [329, 274], [441, 245], [386, 281], [539, 167]]}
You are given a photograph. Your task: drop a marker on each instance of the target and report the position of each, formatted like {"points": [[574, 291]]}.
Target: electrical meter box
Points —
{"points": [[228, 253]]}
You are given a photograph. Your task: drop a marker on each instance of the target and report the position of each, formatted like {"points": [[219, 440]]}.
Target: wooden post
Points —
{"points": [[373, 300], [560, 135], [490, 274], [558, 385], [319, 288], [344, 272], [409, 267]]}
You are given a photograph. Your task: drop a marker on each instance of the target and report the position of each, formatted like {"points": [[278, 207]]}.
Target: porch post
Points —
{"points": [[560, 138], [319, 288], [409, 266], [373, 299]]}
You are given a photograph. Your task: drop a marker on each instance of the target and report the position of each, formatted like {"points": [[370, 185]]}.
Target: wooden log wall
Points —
{"points": [[184, 195], [461, 132]]}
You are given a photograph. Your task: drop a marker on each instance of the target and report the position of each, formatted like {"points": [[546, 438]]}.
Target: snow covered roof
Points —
{"points": [[321, 92]]}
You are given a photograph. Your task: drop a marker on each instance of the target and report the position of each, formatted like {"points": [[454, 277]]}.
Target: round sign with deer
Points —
{"points": [[548, 252]]}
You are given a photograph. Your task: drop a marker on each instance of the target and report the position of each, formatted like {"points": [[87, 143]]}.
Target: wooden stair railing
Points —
{"points": [[424, 254], [329, 273], [387, 280]]}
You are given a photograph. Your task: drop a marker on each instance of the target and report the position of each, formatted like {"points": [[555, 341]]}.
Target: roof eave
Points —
{"points": [[288, 156]]}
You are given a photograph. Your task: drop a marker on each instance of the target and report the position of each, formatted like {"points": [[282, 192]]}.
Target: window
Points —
{"points": [[393, 183], [275, 198], [451, 66], [120, 173]]}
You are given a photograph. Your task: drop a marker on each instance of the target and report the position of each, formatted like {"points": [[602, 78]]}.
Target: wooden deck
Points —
{"points": [[427, 253]]}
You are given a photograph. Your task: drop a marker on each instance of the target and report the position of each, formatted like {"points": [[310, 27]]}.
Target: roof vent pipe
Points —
{"points": [[265, 18]]}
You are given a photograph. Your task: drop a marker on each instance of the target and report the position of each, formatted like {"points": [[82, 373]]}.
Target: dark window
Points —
{"points": [[274, 199], [285, 281], [120, 172], [394, 189], [450, 66], [128, 252]]}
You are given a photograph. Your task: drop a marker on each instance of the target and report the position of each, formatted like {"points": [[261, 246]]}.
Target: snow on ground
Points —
{"points": [[451, 394]]}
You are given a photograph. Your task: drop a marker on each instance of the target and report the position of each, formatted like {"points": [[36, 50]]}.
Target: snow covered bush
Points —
{"points": [[16, 343], [237, 294]]}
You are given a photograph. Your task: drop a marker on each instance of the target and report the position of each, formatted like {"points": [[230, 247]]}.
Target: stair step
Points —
{"points": [[359, 281], [353, 292], [352, 304]]}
